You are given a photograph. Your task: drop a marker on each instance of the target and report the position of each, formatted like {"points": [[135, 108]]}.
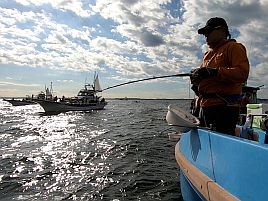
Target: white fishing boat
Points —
{"points": [[19, 101], [85, 100], [29, 100]]}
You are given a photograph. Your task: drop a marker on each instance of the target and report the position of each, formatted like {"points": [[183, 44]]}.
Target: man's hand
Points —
{"points": [[195, 89], [202, 73]]}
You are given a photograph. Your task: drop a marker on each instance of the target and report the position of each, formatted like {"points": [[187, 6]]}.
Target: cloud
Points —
{"points": [[18, 84], [126, 38], [150, 39], [65, 81]]}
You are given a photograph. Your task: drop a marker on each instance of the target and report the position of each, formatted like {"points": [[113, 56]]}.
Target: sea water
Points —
{"points": [[120, 153]]}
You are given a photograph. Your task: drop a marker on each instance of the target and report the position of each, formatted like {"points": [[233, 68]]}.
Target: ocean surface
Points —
{"points": [[120, 153]]}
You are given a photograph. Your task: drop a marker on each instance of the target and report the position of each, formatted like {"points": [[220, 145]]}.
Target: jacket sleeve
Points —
{"points": [[238, 65]]}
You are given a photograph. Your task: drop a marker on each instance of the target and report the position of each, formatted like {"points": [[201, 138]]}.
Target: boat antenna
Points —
{"points": [[150, 78]]}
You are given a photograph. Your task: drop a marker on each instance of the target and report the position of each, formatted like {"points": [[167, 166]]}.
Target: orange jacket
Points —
{"points": [[230, 58]]}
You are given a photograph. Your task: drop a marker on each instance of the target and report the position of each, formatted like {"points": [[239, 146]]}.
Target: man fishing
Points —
{"points": [[219, 80]]}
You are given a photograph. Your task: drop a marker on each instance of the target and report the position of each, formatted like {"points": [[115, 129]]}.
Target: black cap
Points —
{"points": [[213, 23]]}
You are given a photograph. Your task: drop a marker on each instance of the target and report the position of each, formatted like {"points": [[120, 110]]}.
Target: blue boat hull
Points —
{"points": [[213, 164]]}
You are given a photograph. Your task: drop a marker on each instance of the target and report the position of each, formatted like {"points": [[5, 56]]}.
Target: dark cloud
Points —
{"points": [[130, 2], [151, 40]]}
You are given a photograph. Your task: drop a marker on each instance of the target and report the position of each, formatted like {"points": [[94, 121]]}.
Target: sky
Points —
{"points": [[64, 42]]}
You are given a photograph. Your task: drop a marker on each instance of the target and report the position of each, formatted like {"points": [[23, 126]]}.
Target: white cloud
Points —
{"points": [[18, 84], [127, 38]]}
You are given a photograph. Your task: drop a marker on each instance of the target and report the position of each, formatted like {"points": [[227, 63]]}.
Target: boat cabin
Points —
{"points": [[250, 93], [87, 95]]}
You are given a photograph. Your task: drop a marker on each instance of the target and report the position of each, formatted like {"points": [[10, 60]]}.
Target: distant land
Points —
{"points": [[148, 98]]}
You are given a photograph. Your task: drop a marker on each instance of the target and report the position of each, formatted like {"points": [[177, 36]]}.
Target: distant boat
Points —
{"points": [[85, 100], [20, 102], [216, 166], [28, 100]]}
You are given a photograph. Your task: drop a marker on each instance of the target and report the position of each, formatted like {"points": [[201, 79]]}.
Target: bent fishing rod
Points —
{"points": [[150, 78]]}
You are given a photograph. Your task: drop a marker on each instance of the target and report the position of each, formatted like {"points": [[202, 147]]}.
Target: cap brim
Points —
{"points": [[202, 30], [205, 30]]}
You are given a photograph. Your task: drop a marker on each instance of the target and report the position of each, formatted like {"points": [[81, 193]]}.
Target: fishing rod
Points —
{"points": [[150, 78]]}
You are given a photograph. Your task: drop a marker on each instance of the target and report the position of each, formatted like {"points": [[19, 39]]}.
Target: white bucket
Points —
{"points": [[182, 121]]}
